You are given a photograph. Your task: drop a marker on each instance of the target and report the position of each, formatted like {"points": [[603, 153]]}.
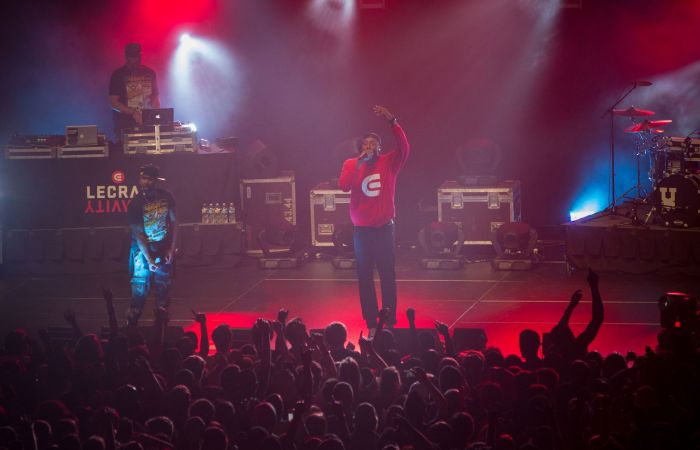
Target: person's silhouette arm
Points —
{"points": [[201, 319], [411, 316], [278, 327], [444, 331], [591, 330], [575, 299], [109, 302], [265, 357], [70, 317]]}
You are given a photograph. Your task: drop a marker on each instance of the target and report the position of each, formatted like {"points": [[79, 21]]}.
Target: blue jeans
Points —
{"points": [[142, 279], [374, 247]]}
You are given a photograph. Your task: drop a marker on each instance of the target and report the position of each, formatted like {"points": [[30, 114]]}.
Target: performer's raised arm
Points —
{"points": [[400, 154]]}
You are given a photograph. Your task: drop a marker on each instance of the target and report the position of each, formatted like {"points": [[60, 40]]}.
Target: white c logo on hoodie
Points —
{"points": [[371, 185]]}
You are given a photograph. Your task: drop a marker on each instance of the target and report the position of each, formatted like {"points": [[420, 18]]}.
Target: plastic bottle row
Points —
{"points": [[218, 213]]}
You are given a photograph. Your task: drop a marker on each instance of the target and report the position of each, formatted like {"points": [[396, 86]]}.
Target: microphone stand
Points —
{"points": [[612, 206]]}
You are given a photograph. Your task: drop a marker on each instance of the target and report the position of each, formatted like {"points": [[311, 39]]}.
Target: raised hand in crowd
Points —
{"points": [[422, 377], [280, 339], [576, 297], [282, 315], [370, 353], [327, 363], [288, 439], [411, 316], [201, 319], [307, 378], [383, 316], [108, 296], [444, 331], [70, 317], [562, 338]]}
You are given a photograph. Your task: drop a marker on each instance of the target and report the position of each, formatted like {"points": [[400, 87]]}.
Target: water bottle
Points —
{"points": [[231, 213], [217, 213], [205, 218], [210, 213]]}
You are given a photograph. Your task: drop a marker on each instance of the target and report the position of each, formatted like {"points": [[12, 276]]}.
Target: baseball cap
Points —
{"points": [[152, 171]]}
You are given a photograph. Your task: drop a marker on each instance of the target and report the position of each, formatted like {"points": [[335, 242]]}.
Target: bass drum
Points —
{"points": [[665, 163], [677, 200]]}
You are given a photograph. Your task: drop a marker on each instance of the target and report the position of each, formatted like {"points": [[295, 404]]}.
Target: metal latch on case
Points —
{"points": [[329, 202], [457, 201], [494, 203]]}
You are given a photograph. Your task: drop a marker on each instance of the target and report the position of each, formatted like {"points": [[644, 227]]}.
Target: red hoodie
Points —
{"points": [[373, 185]]}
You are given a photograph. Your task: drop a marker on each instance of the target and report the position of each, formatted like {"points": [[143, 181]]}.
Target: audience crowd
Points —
{"points": [[287, 390]]}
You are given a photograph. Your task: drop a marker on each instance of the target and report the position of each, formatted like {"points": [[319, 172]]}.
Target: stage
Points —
{"points": [[502, 303], [614, 243]]}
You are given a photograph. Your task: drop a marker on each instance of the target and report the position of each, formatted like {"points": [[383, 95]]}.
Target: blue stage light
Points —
{"points": [[581, 213]]}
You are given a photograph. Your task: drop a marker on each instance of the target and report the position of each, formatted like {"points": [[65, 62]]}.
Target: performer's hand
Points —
{"points": [[382, 111], [152, 266], [363, 158], [169, 256]]}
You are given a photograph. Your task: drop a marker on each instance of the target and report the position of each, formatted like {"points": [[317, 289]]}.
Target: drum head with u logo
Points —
{"points": [[677, 199]]}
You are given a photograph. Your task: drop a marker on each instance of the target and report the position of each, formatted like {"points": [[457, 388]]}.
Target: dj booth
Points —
{"points": [[69, 215]]}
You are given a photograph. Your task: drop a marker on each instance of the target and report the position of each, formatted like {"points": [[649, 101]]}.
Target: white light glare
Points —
{"points": [[580, 214]]}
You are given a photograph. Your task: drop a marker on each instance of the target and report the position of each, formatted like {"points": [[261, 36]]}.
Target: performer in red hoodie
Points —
{"points": [[371, 178]]}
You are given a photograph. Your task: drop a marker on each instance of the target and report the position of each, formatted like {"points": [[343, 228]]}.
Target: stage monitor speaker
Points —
{"points": [[469, 339]]}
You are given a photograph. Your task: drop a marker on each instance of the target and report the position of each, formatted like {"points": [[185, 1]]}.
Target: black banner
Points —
{"points": [[95, 192]]}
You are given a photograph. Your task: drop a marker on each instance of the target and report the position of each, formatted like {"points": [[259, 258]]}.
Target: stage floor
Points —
{"points": [[502, 303]]}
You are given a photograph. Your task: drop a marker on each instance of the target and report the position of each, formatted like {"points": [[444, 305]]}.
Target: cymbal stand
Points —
{"points": [[641, 149], [612, 208]]}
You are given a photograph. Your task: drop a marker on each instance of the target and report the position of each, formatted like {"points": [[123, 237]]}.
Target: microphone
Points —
{"points": [[368, 158], [643, 83]]}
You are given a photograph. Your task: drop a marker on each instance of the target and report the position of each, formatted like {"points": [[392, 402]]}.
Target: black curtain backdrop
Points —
{"points": [[532, 77]]}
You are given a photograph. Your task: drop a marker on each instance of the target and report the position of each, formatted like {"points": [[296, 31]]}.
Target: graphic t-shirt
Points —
{"points": [[135, 87], [153, 211]]}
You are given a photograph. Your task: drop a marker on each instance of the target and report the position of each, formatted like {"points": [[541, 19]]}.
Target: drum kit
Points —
{"points": [[673, 169]]}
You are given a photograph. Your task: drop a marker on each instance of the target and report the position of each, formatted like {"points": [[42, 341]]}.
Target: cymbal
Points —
{"points": [[633, 112], [647, 125]]}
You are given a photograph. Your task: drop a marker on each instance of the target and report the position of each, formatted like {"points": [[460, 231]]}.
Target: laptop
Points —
{"points": [[162, 116], [81, 135]]}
